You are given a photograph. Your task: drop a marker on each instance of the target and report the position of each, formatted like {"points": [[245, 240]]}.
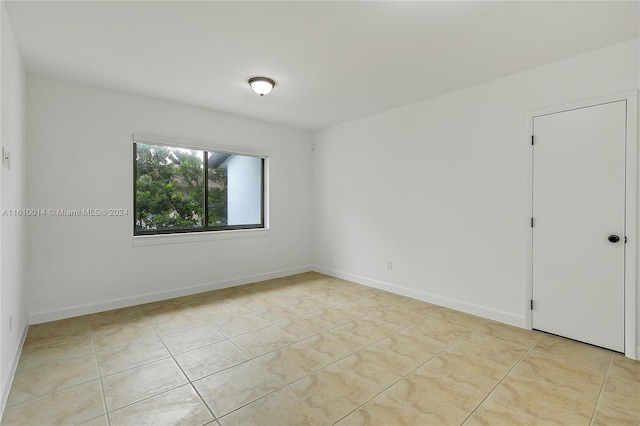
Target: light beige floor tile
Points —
{"points": [[235, 325], [625, 368], [561, 372], [384, 410], [193, 338], [388, 298], [131, 355], [306, 304], [436, 328], [467, 321], [336, 343], [412, 345], [606, 416], [444, 399], [303, 327], [578, 352], [399, 318], [33, 357], [293, 362], [275, 314], [178, 321], [216, 310], [363, 292], [57, 332], [380, 367], [115, 317], [366, 326], [130, 386], [277, 409], [235, 387], [622, 394], [210, 359], [65, 327], [178, 406], [61, 375], [364, 305], [255, 301], [417, 307], [283, 292], [156, 311], [491, 413], [490, 347], [544, 401], [509, 334], [478, 371], [204, 298], [69, 406], [367, 330], [262, 341], [319, 291], [333, 392], [332, 295], [97, 421], [343, 284], [121, 335], [453, 360], [336, 316]]}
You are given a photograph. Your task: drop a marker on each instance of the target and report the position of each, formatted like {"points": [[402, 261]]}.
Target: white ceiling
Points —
{"points": [[332, 61]]}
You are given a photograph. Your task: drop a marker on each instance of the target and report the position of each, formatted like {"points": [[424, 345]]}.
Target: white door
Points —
{"points": [[578, 214]]}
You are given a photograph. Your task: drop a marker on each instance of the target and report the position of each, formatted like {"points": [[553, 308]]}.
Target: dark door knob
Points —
{"points": [[614, 238]]}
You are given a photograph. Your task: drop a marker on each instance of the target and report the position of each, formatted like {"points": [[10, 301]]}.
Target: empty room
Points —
{"points": [[319, 213]]}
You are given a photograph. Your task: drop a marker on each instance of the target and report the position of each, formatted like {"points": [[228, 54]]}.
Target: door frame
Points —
{"points": [[631, 211]]}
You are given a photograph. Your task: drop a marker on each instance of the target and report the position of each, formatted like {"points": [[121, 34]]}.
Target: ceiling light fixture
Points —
{"points": [[262, 85]]}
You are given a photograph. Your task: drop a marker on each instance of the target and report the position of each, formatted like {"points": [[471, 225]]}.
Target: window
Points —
{"points": [[179, 189]]}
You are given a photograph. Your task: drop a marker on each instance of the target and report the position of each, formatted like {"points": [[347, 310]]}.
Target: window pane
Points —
{"points": [[169, 188], [235, 190], [217, 202]]}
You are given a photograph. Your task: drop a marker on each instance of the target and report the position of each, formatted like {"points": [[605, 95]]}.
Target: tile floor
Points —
{"points": [[311, 350]]}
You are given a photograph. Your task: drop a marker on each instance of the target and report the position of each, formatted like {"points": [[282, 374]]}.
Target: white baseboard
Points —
{"points": [[92, 308], [14, 367], [481, 311]]}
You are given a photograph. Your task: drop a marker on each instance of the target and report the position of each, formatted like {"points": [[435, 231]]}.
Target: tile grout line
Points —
{"points": [[302, 341], [370, 345], [250, 358], [604, 383], [412, 371], [253, 358], [151, 362], [503, 379], [185, 375], [51, 392], [95, 356], [75, 385]]}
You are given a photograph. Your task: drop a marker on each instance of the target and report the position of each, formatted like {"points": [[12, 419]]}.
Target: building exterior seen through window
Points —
{"points": [[179, 190]]}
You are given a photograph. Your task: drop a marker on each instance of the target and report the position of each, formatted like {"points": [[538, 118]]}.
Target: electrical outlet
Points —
{"points": [[10, 322], [389, 265], [6, 158]]}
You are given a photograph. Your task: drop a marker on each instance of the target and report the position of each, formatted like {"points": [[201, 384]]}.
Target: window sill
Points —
{"points": [[194, 237]]}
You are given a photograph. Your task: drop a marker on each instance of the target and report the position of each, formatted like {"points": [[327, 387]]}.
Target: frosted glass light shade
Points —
{"points": [[261, 85]]}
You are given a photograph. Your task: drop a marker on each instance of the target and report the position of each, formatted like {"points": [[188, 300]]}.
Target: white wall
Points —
{"points": [[80, 156], [244, 183], [438, 187], [12, 196]]}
